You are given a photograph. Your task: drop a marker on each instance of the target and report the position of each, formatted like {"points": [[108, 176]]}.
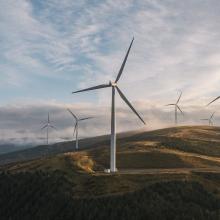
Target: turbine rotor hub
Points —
{"points": [[113, 84]]}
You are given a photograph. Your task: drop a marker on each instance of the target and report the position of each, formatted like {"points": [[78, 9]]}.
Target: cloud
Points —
{"points": [[50, 48], [21, 123]]}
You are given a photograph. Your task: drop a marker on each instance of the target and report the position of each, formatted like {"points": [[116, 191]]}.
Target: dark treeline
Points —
{"points": [[42, 196]]}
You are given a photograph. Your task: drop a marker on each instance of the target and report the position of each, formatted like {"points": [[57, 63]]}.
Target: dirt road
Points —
{"points": [[164, 171]]}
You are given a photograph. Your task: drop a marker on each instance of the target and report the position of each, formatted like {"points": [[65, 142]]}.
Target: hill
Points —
{"points": [[202, 140], [54, 149], [162, 174]]}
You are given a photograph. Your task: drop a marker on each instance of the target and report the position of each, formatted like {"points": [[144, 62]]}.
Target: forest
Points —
{"points": [[42, 195]]}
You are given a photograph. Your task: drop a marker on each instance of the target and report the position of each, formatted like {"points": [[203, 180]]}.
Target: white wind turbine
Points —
{"points": [[48, 125], [176, 107], [114, 87], [76, 126], [209, 119]]}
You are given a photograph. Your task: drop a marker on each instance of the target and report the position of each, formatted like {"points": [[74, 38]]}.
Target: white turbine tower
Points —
{"points": [[114, 87], [48, 125], [76, 126], [209, 119], [176, 107]]}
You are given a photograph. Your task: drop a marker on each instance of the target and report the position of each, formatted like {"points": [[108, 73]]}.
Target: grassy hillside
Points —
{"points": [[196, 139], [203, 140], [54, 149], [162, 174], [136, 152]]}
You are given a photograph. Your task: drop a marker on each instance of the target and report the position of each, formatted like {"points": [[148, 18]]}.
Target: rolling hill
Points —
{"points": [[174, 168], [171, 142], [54, 149]]}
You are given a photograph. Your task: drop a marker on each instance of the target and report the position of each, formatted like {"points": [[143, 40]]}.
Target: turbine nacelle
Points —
{"points": [[113, 84]]}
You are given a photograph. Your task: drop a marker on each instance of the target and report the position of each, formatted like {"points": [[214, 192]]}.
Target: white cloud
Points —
{"points": [[176, 48], [21, 122]]}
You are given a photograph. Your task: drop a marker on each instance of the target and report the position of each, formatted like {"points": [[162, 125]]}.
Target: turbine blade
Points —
{"points": [[53, 127], [212, 115], [205, 119], [169, 104], [72, 114], [213, 100], [179, 109], [48, 119], [93, 88], [124, 62], [179, 97], [82, 119], [44, 126], [129, 104]]}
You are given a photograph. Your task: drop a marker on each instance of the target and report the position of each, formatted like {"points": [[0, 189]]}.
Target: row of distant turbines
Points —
{"points": [[177, 108], [49, 125], [114, 87]]}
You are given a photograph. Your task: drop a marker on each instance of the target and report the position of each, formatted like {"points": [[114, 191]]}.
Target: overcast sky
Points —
{"points": [[49, 48]]}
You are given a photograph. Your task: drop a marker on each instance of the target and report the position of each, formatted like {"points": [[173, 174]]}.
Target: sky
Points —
{"points": [[49, 48]]}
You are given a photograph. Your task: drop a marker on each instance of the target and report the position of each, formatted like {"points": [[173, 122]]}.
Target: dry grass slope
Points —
{"points": [[173, 148]]}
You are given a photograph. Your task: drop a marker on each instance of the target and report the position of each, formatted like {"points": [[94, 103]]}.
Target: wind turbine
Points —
{"points": [[176, 107], [209, 119], [115, 87], [48, 125], [76, 126]]}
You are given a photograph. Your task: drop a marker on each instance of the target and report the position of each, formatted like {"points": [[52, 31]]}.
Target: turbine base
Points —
{"points": [[110, 171]]}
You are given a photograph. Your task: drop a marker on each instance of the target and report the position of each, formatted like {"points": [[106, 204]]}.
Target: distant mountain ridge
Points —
{"points": [[8, 147]]}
